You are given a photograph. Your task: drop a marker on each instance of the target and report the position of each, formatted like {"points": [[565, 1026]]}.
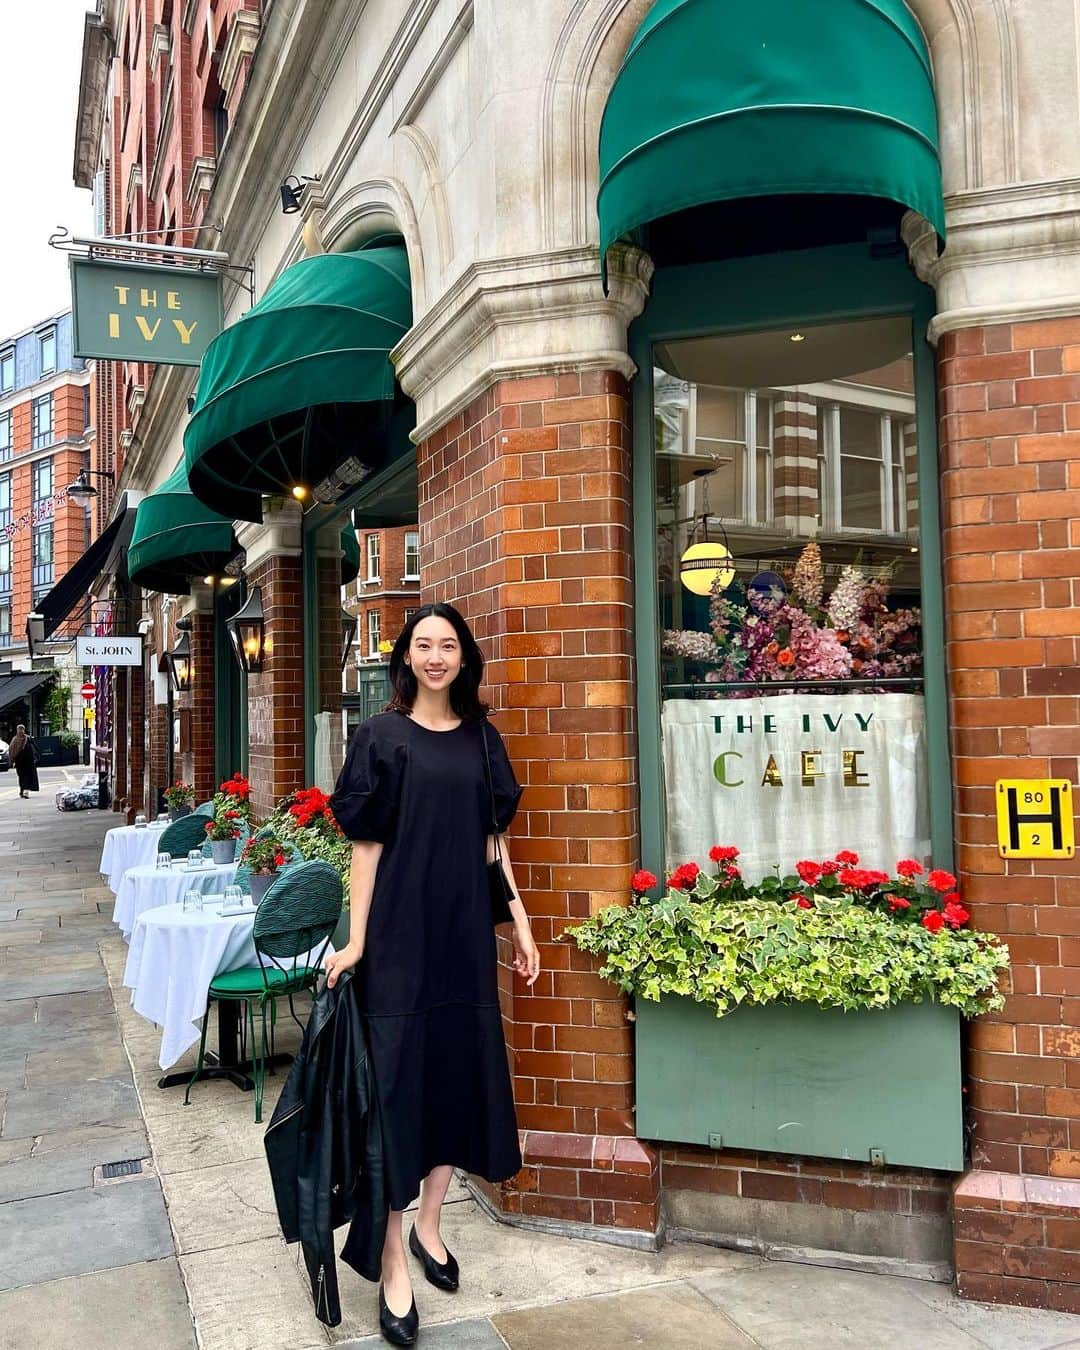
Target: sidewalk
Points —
{"points": [[132, 1263]]}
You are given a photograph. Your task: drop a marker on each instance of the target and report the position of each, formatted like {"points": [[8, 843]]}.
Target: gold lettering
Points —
{"points": [[185, 330], [853, 775], [148, 299], [144, 328], [114, 325], [121, 294], [719, 768], [172, 299], [772, 777], [811, 770]]}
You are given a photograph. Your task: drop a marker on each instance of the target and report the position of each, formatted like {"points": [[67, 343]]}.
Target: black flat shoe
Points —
{"points": [[442, 1274], [398, 1330]]}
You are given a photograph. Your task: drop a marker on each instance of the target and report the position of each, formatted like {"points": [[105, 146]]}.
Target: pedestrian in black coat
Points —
{"points": [[23, 754]]}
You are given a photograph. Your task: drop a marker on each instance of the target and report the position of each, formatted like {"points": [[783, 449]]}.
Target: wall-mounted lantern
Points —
{"points": [[247, 632]]}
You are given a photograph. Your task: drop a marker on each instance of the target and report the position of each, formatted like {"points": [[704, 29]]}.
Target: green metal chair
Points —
{"points": [[183, 835], [204, 808], [298, 915]]}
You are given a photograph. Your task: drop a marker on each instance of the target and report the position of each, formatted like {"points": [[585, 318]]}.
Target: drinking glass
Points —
{"points": [[193, 900], [164, 862], [234, 897], [195, 858], [140, 821], [163, 817]]}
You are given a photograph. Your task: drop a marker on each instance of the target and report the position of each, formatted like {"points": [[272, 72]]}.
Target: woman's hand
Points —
{"points": [[526, 955], [343, 960]]}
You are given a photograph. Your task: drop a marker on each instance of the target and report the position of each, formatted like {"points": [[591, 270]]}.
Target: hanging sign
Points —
{"points": [[799, 776], [1035, 818], [139, 312], [108, 651]]}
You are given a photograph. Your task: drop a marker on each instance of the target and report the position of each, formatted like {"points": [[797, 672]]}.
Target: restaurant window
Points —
{"points": [[373, 557], [408, 615], [5, 566], [374, 626], [5, 625], [5, 499], [41, 422], [791, 663], [7, 371], [412, 556], [41, 480], [5, 436], [42, 554], [47, 347]]}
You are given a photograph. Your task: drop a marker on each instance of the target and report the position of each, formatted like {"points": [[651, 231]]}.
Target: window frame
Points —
{"points": [[836, 284], [36, 470], [6, 449], [373, 555], [5, 490], [6, 608], [373, 630], [7, 361], [412, 576], [47, 336], [40, 440]]}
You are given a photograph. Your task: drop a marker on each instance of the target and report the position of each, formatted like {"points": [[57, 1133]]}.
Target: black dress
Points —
{"points": [[427, 981], [25, 764]]}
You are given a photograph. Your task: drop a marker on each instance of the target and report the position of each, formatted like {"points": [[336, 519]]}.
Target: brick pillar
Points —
{"points": [[1010, 448], [276, 693], [795, 450], [137, 742], [329, 590], [525, 517], [195, 706], [120, 739]]}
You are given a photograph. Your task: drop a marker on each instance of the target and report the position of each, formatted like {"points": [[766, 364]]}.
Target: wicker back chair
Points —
{"points": [[179, 838]]}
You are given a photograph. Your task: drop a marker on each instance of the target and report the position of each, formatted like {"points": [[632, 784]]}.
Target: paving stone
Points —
{"points": [[65, 1169], [221, 1206], [474, 1333], [253, 1299], [78, 1231], [33, 983], [12, 1072], [669, 1315], [78, 1059], [127, 1309], [37, 1110], [999, 1327]]}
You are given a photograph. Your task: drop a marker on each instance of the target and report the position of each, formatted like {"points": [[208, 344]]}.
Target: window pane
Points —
{"points": [[860, 493], [5, 435], [5, 492], [48, 353], [7, 372]]}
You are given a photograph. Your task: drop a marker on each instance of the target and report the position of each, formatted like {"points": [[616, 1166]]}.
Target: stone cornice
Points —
{"points": [[279, 535], [242, 40], [541, 313], [1012, 252], [97, 52]]}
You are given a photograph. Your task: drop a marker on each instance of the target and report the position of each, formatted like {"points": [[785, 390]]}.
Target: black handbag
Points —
{"points": [[500, 891]]}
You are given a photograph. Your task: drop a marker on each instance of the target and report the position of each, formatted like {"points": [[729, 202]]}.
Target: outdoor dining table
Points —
{"points": [[173, 956], [149, 887], [128, 846]]}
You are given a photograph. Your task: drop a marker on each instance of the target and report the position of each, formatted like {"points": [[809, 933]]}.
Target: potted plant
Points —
{"points": [[265, 857], [178, 799], [223, 830], [304, 820], [814, 1013]]}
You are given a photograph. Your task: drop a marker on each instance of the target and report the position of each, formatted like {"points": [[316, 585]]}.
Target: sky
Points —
{"points": [[40, 59]]}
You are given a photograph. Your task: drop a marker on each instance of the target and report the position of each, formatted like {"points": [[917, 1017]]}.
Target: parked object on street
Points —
{"points": [[85, 797], [5, 757]]}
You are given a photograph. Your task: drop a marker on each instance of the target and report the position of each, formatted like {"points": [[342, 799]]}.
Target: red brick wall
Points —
{"points": [[526, 527], [197, 763], [1010, 448], [276, 694]]}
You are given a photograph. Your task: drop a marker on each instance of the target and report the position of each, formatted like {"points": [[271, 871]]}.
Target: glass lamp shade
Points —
{"points": [[179, 660], [702, 563], [247, 632]]}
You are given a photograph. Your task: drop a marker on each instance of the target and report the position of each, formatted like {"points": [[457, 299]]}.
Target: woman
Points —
{"points": [[414, 797], [23, 754]]}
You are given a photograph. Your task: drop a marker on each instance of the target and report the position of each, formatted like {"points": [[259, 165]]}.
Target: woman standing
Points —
{"points": [[414, 797], [23, 754]]}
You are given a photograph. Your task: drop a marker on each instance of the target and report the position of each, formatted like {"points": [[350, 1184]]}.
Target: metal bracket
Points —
{"points": [[877, 1157], [138, 249], [716, 1140]]}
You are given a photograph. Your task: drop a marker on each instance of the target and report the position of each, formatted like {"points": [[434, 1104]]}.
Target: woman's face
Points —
{"points": [[435, 653]]}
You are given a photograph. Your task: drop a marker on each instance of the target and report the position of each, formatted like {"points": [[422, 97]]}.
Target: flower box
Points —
{"points": [[868, 1085]]}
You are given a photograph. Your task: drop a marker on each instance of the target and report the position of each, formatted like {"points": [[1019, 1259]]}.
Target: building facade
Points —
{"points": [[612, 336], [383, 598], [47, 435]]}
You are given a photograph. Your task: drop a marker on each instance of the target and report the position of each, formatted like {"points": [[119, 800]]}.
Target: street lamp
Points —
{"points": [[179, 659], [349, 625], [35, 631], [247, 632], [82, 489]]}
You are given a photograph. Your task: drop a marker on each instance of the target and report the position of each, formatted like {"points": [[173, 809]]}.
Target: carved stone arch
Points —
{"points": [[972, 48], [367, 209]]}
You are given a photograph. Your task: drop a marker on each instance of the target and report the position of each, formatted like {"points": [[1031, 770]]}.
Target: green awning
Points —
{"points": [[176, 538], [718, 100], [302, 383], [350, 561]]}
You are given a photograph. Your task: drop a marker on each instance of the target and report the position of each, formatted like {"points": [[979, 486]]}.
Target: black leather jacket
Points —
{"points": [[324, 1147]]}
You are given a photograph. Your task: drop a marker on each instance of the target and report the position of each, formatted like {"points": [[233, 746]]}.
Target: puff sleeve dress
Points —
{"points": [[427, 981]]}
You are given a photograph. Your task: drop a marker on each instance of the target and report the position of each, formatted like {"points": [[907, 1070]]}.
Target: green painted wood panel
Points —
{"points": [[805, 1080]]}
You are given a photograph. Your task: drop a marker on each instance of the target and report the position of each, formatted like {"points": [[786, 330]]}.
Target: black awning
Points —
{"points": [[16, 687], [73, 588]]}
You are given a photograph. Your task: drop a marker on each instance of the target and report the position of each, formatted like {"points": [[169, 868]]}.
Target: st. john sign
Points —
{"points": [[802, 776], [138, 312]]}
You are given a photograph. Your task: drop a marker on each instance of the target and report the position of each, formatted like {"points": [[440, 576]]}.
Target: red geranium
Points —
{"points": [[933, 921], [684, 878], [829, 868], [236, 786], [847, 858], [908, 867], [803, 903], [808, 871], [898, 902], [941, 881], [642, 881], [955, 915], [723, 853]]}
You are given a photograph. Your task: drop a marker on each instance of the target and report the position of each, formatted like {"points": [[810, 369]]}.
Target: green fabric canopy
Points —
{"points": [[350, 562], [176, 538], [302, 382], [718, 100]]}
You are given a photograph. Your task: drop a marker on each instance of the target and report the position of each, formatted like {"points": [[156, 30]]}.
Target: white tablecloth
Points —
{"points": [[127, 847], [146, 888], [172, 959]]}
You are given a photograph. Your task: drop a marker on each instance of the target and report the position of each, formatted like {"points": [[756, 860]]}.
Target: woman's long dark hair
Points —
{"points": [[465, 690]]}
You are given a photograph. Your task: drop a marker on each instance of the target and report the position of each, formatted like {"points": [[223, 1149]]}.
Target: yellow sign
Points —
{"points": [[1035, 818], [88, 717]]}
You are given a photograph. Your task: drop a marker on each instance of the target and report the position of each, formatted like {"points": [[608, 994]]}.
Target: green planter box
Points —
{"points": [[881, 1085]]}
